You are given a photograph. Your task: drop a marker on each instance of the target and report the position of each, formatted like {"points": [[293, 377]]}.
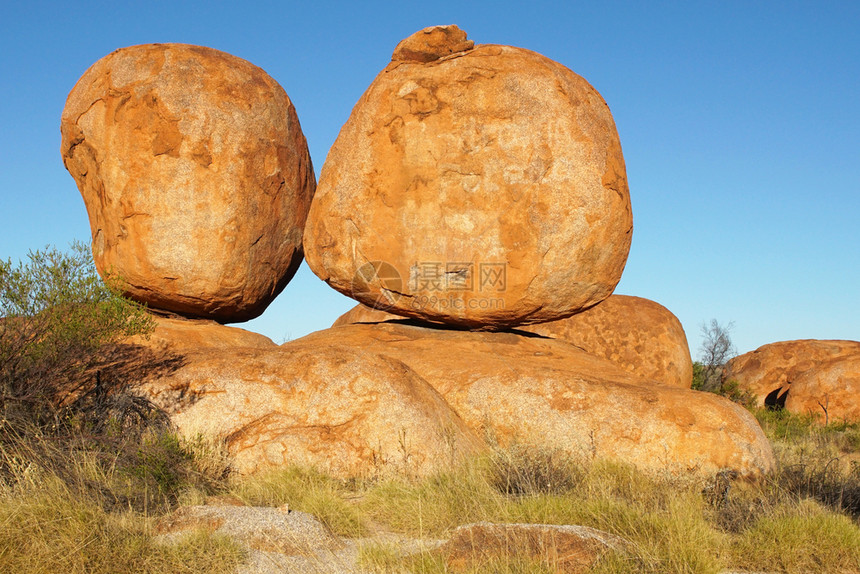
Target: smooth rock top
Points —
{"points": [[431, 44], [486, 190], [174, 335], [195, 174], [637, 334]]}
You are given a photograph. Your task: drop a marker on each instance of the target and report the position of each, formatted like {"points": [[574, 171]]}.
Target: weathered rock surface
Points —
{"points": [[566, 549], [343, 410], [637, 334], [551, 393], [770, 371], [276, 540], [195, 174], [831, 390], [479, 186]]}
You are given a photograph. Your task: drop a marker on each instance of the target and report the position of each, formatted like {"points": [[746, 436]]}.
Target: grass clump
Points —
{"points": [[47, 527], [799, 538]]}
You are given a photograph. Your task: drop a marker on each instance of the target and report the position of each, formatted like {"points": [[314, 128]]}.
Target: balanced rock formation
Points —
{"points": [[481, 186], [551, 393], [637, 334], [195, 174], [770, 371]]}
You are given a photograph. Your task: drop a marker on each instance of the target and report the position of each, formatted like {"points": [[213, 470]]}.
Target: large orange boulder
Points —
{"points": [[195, 174], [481, 186], [637, 334], [550, 393], [361, 400], [769, 372]]}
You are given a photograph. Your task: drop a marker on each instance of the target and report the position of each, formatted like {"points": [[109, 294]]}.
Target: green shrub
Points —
{"points": [[56, 316]]}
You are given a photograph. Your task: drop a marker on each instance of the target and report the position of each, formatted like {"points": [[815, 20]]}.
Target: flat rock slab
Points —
{"points": [[281, 541]]}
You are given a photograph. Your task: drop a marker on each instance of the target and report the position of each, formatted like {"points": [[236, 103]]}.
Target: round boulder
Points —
{"points": [[480, 186], [196, 177]]}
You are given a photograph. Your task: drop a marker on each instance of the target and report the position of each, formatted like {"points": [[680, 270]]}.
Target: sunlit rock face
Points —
{"points": [[480, 186], [195, 174]]}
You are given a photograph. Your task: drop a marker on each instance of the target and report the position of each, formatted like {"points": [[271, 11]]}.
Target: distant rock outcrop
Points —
{"points": [[637, 334], [479, 186], [195, 174], [771, 371], [831, 390]]}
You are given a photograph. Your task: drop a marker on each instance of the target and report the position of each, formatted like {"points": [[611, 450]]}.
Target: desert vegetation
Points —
{"points": [[87, 468]]}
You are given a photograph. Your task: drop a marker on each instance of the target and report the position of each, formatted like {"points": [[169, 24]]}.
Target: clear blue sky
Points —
{"points": [[739, 121]]}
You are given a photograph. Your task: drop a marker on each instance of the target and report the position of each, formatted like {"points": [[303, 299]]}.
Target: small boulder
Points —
{"points": [[770, 371], [637, 334], [196, 177], [566, 549], [478, 186], [364, 314]]}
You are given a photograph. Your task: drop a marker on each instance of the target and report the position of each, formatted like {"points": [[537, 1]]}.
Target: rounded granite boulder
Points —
{"points": [[480, 186], [195, 174]]}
